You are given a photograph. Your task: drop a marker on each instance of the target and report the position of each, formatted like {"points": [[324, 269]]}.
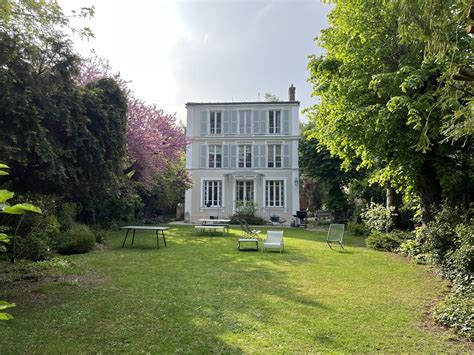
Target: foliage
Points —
{"points": [[16, 209], [377, 218], [154, 139], [358, 229], [319, 164], [380, 102], [248, 214], [455, 311], [58, 138], [78, 239], [387, 241], [269, 97]]}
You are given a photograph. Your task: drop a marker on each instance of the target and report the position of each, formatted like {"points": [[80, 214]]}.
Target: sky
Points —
{"points": [[175, 52]]}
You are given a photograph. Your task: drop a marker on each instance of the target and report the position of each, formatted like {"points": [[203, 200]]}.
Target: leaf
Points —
{"points": [[5, 305], [3, 173], [5, 195], [5, 316], [4, 166], [4, 238], [21, 208]]}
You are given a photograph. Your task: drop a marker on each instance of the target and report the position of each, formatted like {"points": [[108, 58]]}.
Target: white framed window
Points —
{"points": [[274, 156], [215, 124], [274, 122], [245, 122], [212, 193], [215, 156], [244, 193], [274, 193], [245, 156]]}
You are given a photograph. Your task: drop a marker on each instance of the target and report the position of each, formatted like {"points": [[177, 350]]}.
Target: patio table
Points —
{"points": [[148, 228]]}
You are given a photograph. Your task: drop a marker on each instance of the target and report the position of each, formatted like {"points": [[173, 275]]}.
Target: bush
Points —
{"points": [[40, 239], [413, 249], [78, 239], [247, 214], [67, 214], [455, 311], [387, 241], [377, 218], [358, 229], [101, 235]]}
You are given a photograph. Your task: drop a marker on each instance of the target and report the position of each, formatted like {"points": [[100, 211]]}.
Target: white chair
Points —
{"points": [[274, 240]]}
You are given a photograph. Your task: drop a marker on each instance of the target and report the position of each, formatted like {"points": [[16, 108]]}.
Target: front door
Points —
{"points": [[243, 194]]}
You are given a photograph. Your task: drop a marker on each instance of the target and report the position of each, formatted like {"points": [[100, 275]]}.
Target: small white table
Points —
{"points": [[205, 222], [247, 240], [146, 228]]}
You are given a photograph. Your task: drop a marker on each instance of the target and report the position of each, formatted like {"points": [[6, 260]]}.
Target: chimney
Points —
{"points": [[291, 93]]}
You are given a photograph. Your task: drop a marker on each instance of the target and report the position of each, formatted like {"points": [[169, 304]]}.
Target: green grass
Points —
{"points": [[201, 295]]}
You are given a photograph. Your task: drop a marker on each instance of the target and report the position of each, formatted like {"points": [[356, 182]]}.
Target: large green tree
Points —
{"points": [[380, 99], [57, 137]]}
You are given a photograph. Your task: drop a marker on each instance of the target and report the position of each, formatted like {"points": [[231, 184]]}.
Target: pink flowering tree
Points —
{"points": [[155, 141]]}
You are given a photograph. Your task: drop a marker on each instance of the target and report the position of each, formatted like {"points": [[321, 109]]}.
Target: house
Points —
{"points": [[243, 153]]}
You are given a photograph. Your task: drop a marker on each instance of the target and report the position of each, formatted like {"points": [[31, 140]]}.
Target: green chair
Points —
{"points": [[335, 235]]}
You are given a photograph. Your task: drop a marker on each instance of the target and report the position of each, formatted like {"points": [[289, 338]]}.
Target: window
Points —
{"points": [[274, 122], [215, 156], [274, 193], [274, 156], [212, 193], [245, 122], [243, 193], [245, 156], [216, 122]]}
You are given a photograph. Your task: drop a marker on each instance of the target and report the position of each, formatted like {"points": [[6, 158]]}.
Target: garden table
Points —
{"points": [[148, 228], [215, 222]]}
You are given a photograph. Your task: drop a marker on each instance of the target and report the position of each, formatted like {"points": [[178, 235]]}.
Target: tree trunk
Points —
{"points": [[393, 202], [430, 191]]}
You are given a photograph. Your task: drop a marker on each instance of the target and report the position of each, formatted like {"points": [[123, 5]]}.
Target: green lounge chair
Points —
{"points": [[335, 235]]}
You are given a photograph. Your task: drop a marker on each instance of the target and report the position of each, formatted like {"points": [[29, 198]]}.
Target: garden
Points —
{"points": [[386, 151], [199, 294]]}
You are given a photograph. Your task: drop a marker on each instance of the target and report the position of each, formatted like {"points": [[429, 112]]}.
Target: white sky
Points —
{"points": [[175, 52]]}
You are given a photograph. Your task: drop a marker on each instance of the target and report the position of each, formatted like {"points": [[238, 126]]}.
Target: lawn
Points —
{"points": [[201, 295]]}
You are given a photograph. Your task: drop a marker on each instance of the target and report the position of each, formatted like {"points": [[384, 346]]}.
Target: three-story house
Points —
{"points": [[243, 153]]}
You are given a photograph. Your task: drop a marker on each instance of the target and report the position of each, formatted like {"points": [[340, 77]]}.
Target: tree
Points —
{"points": [[154, 139], [379, 102], [270, 97], [56, 136]]}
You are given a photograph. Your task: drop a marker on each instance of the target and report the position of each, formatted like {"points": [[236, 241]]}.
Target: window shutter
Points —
{"points": [[263, 122], [226, 122], [256, 156], [204, 120], [203, 156], [286, 122], [285, 155], [225, 156], [233, 122], [263, 155], [256, 122], [233, 156]]}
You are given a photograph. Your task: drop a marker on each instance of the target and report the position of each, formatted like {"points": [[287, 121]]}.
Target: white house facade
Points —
{"points": [[243, 153]]}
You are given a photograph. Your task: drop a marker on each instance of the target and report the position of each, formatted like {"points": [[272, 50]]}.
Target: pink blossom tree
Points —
{"points": [[154, 139]]}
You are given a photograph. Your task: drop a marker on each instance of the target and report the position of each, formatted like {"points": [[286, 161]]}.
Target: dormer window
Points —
{"points": [[274, 122], [215, 126]]}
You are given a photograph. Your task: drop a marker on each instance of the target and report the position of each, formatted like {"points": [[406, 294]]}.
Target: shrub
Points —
{"points": [[413, 249], [67, 214], [377, 218], [387, 241], [358, 229], [455, 311], [40, 239], [101, 235], [247, 213], [78, 239]]}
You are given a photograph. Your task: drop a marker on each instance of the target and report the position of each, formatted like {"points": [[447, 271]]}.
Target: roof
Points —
{"points": [[243, 103]]}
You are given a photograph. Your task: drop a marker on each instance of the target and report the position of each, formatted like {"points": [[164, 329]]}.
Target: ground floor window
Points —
{"points": [[243, 193], [212, 193], [274, 193]]}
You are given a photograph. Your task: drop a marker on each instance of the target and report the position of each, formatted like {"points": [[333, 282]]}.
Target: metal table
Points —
{"points": [[147, 228], [215, 222]]}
